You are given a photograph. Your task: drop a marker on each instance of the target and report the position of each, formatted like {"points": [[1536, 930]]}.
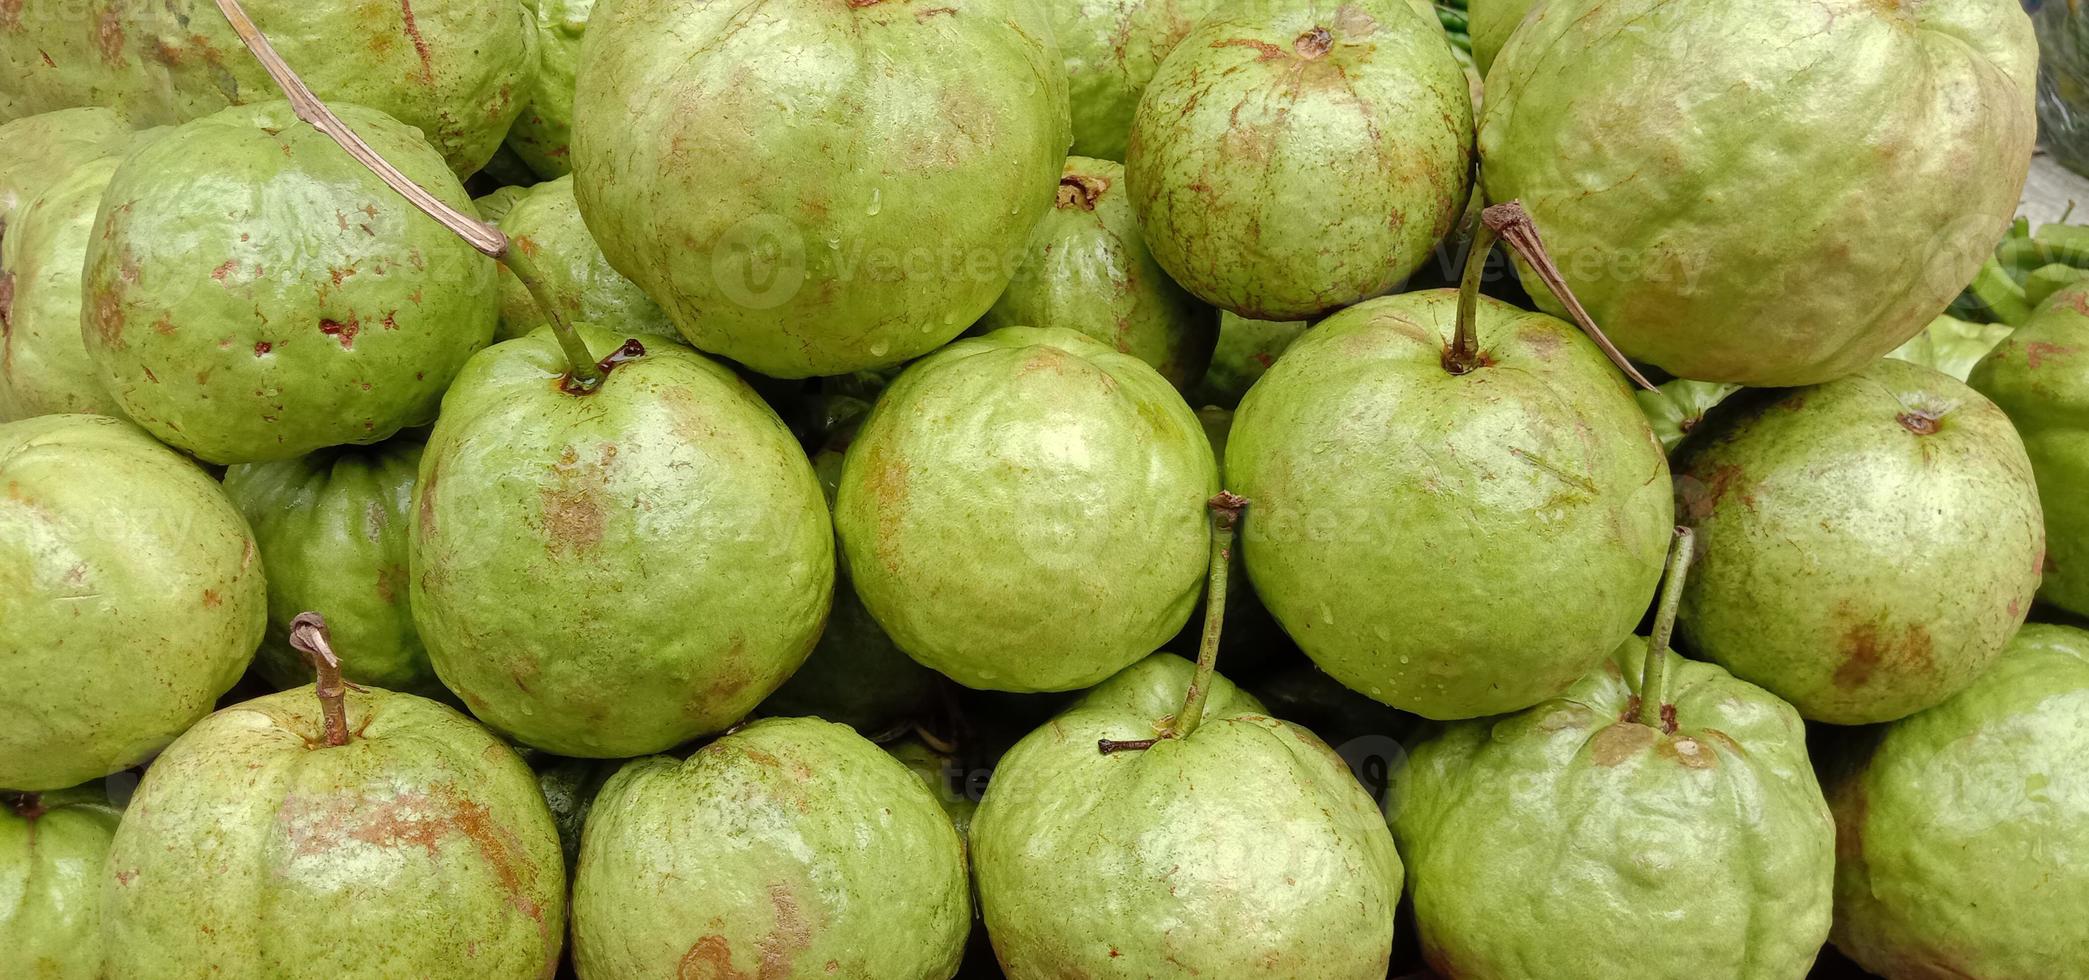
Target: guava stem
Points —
{"points": [[1464, 354], [1514, 225], [1654, 710], [584, 375], [27, 806], [1225, 516], [308, 635]]}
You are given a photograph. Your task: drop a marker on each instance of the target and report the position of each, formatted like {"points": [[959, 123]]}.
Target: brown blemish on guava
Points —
{"points": [[262, 347], [164, 326], [411, 819], [108, 318], [1313, 43], [108, 38], [2037, 351], [11, 17], [1618, 742], [924, 15], [709, 958], [791, 935], [1269, 52], [420, 44], [342, 331], [7, 301], [886, 483], [1724, 477], [223, 270], [1081, 191], [1866, 647], [1687, 751], [1920, 423], [574, 516], [211, 599]]}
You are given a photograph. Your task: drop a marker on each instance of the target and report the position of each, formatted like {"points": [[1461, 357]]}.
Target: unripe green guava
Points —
{"points": [[545, 224], [819, 187], [253, 293], [1809, 505], [2040, 377], [1246, 349], [496, 203], [132, 596], [789, 848], [1112, 49], [1489, 23], [44, 149], [43, 362], [543, 133], [51, 850], [1024, 511]]}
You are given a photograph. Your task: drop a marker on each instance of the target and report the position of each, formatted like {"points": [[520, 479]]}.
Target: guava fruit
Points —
{"points": [[335, 831], [791, 847], [584, 562], [1295, 156], [496, 203], [1897, 136], [938, 769], [1112, 48], [64, 56], [1678, 406], [1489, 23], [570, 787], [332, 530], [851, 199], [1497, 529], [1808, 504], [1952, 346], [2040, 377], [1245, 350], [546, 224], [1674, 813], [1960, 850], [252, 293], [51, 851], [543, 133], [1088, 270], [132, 594], [46, 148], [1024, 511], [43, 362]]}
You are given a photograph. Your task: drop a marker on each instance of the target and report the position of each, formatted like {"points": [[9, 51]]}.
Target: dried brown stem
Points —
{"points": [[308, 635], [1514, 225]]}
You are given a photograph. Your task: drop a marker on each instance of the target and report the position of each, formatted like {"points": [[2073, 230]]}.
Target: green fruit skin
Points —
{"points": [[51, 854], [546, 224], [849, 200], [1451, 545], [43, 362], [1024, 511], [1960, 850], [1246, 847], [1676, 407], [543, 134], [1897, 137], [253, 293], [253, 850], [132, 593], [1112, 49], [1808, 505], [2040, 377], [1245, 350], [1706, 851], [1952, 346], [948, 783], [581, 563], [332, 528], [495, 204], [1280, 185], [44, 149], [1088, 270], [1489, 23], [789, 848]]}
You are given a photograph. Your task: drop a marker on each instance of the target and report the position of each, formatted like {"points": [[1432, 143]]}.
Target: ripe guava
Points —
{"points": [[44, 149], [850, 199], [1896, 136], [1024, 511], [1112, 49], [43, 362], [1246, 349], [1088, 270], [608, 573], [543, 133], [791, 847], [51, 850], [545, 223], [131, 592], [1960, 845], [2040, 377], [253, 293], [1291, 158], [1809, 504]]}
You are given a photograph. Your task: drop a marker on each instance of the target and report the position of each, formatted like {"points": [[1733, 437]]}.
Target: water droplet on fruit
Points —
{"points": [[878, 349], [834, 243], [876, 201]]}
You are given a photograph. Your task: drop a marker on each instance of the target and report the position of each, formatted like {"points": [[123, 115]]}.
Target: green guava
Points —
{"points": [[1112, 48], [253, 293], [1024, 511], [257, 848], [1245, 842], [1678, 406], [545, 224], [2040, 377], [583, 564], [51, 850], [938, 770], [1952, 346], [44, 149], [1572, 835], [1450, 544], [132, 593], [1896, 137], [543, 133], [332, 530], [495, 204], [1246, 349], [43, 362], [1489, 23], [851, 199], [791, 847], [1295, 156], [1809, 504], [1960, 845], [1088, 270], [64, 56]]}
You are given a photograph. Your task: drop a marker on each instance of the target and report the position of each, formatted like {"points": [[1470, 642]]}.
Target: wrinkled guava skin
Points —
{"points": [[1960, 849], [253, 850], [253, 293], [1897, 137], [1088, 270], [789, 848], [583, 566], [819, 187], [1677, 407], [44, 149], [132, 593], [51, 851], [1112, 49], [543, 134], [2040, 377], [43, 363], [1245, 846], [1295, 156], [545, 223], [1705, 851], [1807, 505], [1489, 23], [1451, 545], [1246, 349], [332, 529], [1024, 511], [1952, 346]]}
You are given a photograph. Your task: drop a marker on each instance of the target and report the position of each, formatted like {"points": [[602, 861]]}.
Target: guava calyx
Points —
{"points": [[1081, 191]]}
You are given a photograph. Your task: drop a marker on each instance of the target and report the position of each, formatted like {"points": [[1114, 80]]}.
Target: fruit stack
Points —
{"points": [[686, 489]]}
